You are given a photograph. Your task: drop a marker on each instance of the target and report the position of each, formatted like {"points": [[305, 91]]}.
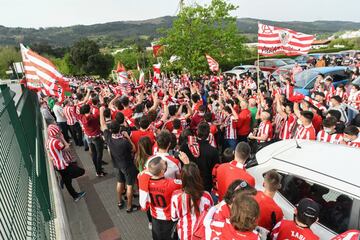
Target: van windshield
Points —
{"points": [[303, 78]]}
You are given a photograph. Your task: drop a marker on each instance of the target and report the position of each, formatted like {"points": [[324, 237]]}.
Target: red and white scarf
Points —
{"points": [[193, 146]]}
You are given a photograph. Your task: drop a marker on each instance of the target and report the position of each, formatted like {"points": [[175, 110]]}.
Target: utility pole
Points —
{"points": [[181, 4]]}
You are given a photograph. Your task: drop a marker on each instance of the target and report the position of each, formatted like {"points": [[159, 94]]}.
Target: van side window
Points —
{"points": [[261, 63], [340, 76], [335, 208]]}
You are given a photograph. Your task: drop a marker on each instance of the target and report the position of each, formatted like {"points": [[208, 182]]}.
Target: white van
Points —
{"points": [[327, 173]]}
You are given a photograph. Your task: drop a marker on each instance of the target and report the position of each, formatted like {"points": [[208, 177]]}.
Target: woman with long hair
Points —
{"points": [[241, 224], [143, 152], [190, 201]]}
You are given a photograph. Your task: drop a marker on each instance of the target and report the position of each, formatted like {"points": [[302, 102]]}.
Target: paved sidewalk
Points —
{"points": [[97, 215]]}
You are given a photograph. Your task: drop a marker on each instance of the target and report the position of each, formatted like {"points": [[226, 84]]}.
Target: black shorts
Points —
{"points": [[127, 175]]}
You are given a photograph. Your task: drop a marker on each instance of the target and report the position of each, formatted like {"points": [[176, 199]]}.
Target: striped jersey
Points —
{"points": [[287, 128], [278, 123], [70, 115], [265, 128], [56, 147], [323, 136], [183, 212], [230, 128], [306, 133], [225, 230], [355, 143]]}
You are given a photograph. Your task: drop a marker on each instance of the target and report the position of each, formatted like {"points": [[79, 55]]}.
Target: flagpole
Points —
{"points": [[258, 69], [258, 62]]}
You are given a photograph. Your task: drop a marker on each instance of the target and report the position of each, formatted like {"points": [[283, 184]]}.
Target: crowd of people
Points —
{"points": [[184, 145]]}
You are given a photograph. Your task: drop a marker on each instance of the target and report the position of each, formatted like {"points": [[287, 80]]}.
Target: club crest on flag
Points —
{"points": [[285, 37], [266, 29]]}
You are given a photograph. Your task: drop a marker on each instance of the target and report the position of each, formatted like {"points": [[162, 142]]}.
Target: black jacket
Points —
{"points": [[209, 156]]}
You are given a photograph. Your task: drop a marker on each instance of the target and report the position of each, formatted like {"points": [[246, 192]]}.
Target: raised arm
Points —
{"points": [[156, 102], [297, 109], [102, 119], [279, 108], [86, 98], [112, 102]]}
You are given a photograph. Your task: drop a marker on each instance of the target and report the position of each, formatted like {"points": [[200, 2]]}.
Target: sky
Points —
{"points": [[54, 13]]}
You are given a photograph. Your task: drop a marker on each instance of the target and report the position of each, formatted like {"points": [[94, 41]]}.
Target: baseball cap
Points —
{"points": [[308, 210]]}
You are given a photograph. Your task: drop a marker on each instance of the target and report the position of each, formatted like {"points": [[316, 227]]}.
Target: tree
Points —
{"points": [[79, 55], [204, 29], [8, 55], [100, 64], [129, 57]]}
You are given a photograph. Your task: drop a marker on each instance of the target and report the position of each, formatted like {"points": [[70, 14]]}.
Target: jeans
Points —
{"points": [[86, 142], [230, 143], [97, 147], [76, 134], [64, 129]]}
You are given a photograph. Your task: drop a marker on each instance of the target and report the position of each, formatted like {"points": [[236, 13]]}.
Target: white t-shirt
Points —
{"points": [[58, 111]]}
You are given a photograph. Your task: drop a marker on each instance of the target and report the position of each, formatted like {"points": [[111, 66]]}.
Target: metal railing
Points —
{"points": [[31, 204]]}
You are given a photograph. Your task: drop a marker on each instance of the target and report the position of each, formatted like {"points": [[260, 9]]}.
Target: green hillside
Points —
{"points": [[112, 33]]}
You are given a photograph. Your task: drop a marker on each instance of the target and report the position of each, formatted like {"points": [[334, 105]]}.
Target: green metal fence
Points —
{"points": [[26, 209]]}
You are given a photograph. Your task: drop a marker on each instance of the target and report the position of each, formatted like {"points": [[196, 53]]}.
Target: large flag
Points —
{"points": [[213, 65], [122, 75], [157, 71], [275, 40], [156, 47], [42, 75]]}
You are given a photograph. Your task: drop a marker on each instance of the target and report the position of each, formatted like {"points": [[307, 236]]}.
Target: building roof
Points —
{"points": [[321, 42]]}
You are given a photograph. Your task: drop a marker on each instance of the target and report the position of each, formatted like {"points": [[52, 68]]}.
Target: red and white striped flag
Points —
{"points": [[157, 72], [213, 65], [275, 40], [41, 74]]}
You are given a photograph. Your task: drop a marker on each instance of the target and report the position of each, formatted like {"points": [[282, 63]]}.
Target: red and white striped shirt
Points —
{"points": [[355, 143], [56, 147], [348, 235], [223, 211], [265, 128], [323, 136], [329, 93], [183, 212], [286, 130], [70, 115], [230, 128], [354, 99], [344, 95], [223, 230], [278, 123], [307, 133]]}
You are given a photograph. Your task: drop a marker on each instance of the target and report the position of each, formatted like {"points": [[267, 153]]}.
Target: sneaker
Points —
{"points": [[121, 204], [150, 226], [133, 209], [80, 195]]}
